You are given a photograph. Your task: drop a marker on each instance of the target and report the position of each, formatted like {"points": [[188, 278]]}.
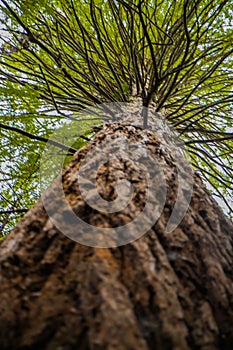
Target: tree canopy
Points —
{"points": [[59, 57]]}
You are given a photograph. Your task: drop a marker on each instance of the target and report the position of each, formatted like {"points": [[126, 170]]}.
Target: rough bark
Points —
{"points": [[162, 291]]}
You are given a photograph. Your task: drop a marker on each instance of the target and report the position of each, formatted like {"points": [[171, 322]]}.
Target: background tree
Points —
{"points": [[64, 56]]}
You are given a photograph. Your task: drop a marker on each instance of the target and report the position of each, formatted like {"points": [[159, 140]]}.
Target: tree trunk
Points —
{"points": [[164, 290]]}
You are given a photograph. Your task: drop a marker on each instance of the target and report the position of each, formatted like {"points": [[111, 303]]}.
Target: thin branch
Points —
{"points": [[38, 138], [13, 211]]}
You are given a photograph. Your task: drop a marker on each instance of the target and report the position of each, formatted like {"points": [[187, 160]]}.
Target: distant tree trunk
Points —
{"points": [[161, 291]]}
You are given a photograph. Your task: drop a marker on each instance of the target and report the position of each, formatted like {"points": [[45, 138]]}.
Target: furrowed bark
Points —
{"points": [[161, 291]]}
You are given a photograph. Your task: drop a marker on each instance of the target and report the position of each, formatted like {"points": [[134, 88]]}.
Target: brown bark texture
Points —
{"points": [[162, 291]]}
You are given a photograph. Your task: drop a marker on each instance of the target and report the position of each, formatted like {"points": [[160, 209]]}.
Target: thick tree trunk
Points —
{"points": [[162, 291]]}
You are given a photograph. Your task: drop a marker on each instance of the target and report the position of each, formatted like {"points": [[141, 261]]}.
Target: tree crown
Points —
{"points": [[61, 56]]}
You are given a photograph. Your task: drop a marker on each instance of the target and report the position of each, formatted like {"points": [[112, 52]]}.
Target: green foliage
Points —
{"points": [[61, 56]]}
